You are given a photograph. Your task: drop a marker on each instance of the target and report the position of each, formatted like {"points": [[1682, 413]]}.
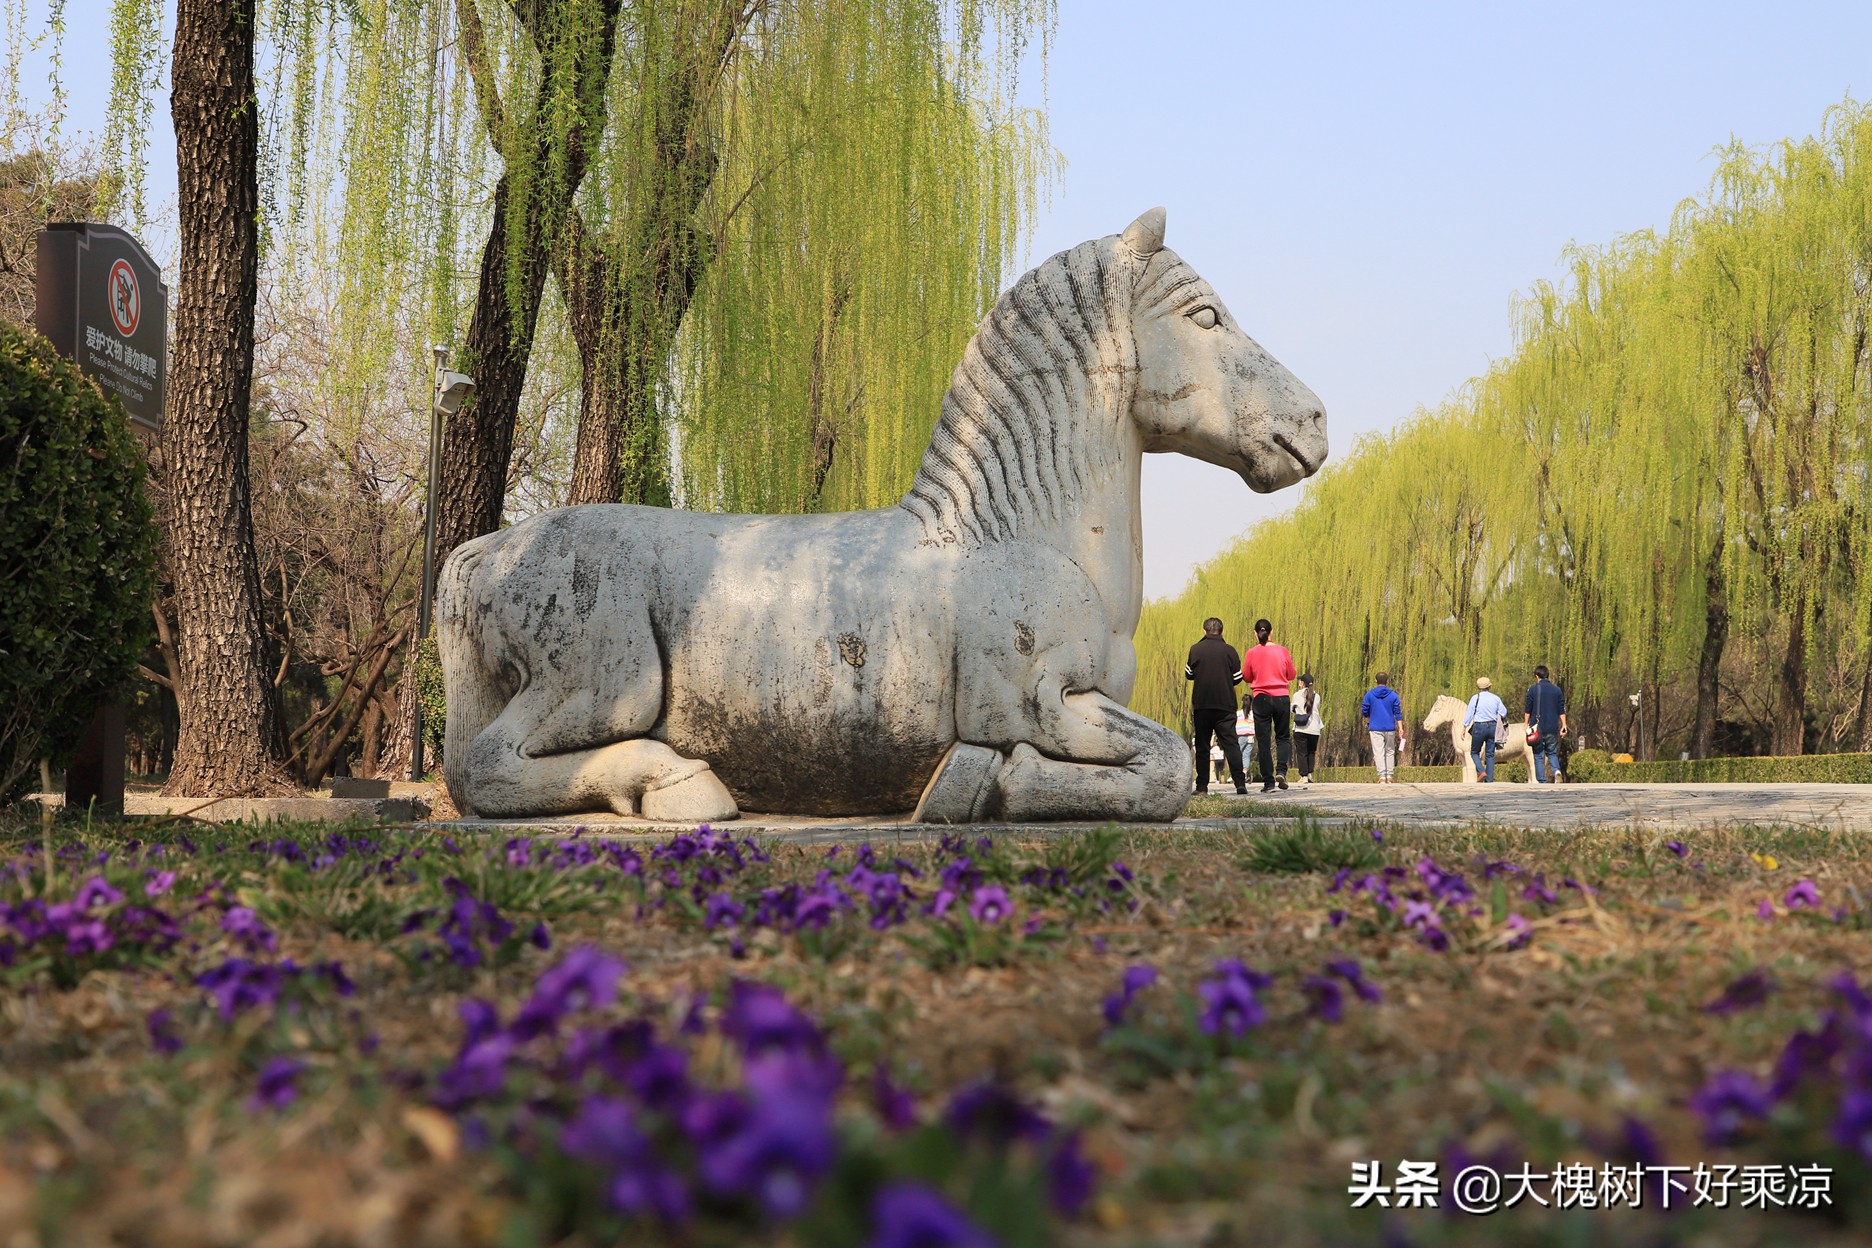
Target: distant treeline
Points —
{"points": [[1663, 491]]}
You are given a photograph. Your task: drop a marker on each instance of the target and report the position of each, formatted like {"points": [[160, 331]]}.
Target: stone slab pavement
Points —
{"points": [[1678, 806], [1681, 807]]}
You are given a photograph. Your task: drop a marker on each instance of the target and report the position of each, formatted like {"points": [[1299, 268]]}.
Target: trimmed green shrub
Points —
{"points": [[77, 554], [1596, 766]]}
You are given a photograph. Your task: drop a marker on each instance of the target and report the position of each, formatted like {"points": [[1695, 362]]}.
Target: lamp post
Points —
{"points": [[451, 391]]}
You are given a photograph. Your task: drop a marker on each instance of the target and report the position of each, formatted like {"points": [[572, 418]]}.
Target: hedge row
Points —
{"points": [[1597, 766]]}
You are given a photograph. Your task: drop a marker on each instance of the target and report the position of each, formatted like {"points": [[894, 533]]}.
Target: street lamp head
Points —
{"points": [[1633, 698], [452, 390], [440, 353]]}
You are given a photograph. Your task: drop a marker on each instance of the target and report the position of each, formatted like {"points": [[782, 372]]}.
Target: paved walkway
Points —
{"points": [[1687, 806], [1664, 806]]}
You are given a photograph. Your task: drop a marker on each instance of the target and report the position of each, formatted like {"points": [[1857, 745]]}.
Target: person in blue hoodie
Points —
{"points": [[1384, 718]]}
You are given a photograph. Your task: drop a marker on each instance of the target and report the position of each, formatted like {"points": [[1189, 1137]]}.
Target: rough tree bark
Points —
{"points": [[231, 741], [1787, 735], [1709, 661], [625, 301]]}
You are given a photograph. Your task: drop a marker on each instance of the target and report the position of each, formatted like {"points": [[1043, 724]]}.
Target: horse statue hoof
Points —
{"points": [[698, 798], [959, 792]]}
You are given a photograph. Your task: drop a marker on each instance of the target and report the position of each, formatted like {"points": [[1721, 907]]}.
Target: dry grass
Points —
{"points": [[1539, 1053]]}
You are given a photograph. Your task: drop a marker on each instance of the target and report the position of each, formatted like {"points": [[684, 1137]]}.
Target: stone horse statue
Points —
{"points": [[1448, 712], [965, 654]]}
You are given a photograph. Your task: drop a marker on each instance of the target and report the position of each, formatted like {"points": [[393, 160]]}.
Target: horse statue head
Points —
{"points": [[1107, 350], [1205, 388], [1445, 711]]}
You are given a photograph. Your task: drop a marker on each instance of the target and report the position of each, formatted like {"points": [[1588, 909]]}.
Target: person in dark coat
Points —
{"points": [[1215, 669]]}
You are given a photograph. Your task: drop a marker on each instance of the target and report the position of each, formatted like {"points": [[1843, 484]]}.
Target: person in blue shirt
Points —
{"points": [[1545, 707], [1484, 719], [1384, 719]]}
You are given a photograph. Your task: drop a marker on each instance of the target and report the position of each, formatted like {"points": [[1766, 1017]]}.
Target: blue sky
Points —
{"points": [[1367, 185]]}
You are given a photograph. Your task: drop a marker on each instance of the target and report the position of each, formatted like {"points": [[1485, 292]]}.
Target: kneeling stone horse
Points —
{"points": [[966, 653]]}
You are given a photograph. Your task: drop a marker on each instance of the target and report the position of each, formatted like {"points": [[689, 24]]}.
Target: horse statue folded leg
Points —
{"points": [[1447, 712], [965, 654]]}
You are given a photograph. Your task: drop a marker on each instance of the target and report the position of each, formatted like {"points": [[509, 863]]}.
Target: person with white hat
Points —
{"points": [[1486, 717]]}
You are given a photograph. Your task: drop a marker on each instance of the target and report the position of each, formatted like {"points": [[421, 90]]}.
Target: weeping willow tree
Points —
{"points": [[597, 203], [1671, 462], [822, 338]]}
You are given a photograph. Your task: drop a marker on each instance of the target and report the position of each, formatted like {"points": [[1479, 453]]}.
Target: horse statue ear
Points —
{"points": [[1145, 235]]}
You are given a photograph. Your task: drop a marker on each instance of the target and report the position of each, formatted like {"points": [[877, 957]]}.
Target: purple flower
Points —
{"points": [[990, 904], [278, 1084], [1231, 1006], [1326, 999], [895, 1105], [775, 1151], [1522, 929], [1071, 1178], [660, 1077], [162, 1034], [1807, 1053], [1537, 890], [586, 977], [96, 891], [248, 932], [1725, 1101], [763, 1021], [989, 1111], [1419, 914], [1852, 1128], [1677, 847], [604, 1132], [1744, 992], [238, 985], [722, 910], [910, 1215], [1802, 896], [159, 883], [1135, 980], [1765, 911], [1354, 976]]}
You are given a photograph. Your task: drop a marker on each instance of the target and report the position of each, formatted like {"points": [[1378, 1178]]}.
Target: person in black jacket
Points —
{"points": [[1216, 669]]}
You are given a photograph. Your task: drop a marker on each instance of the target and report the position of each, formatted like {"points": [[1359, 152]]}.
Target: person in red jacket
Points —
{"points": [[1269, 670]]}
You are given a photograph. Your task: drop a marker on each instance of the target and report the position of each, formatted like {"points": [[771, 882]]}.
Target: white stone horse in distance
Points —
{"points": [[966, 654], [1448, 712]]}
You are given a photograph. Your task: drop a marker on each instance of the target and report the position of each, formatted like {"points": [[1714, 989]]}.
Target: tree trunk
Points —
{"points": [[1788, 732], [232, 739], [477, 442], [626, 298], [1709, 661]]}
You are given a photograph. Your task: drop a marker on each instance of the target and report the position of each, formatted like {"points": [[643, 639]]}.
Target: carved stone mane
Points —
{"points": [[1034, 408]]}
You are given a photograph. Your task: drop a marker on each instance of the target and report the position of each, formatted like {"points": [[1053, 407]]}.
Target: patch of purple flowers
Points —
{"points": [[1134, 980], [1230, 1004]]}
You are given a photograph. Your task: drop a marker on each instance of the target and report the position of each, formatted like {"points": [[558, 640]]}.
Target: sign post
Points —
{"points": [[101, 302]]}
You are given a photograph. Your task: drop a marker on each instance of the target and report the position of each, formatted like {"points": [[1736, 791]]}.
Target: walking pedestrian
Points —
{"points": [[1215, 669], [1269, 670], [1383, 711], [1307, 722], [1545, 708], [1486, 719]]}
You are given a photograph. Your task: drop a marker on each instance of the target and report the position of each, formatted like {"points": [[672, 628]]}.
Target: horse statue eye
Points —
{"points": [[1204, 316]]}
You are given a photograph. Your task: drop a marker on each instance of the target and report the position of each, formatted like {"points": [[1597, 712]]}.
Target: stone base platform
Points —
{"points": [[1564, 807], [310, 807]]}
